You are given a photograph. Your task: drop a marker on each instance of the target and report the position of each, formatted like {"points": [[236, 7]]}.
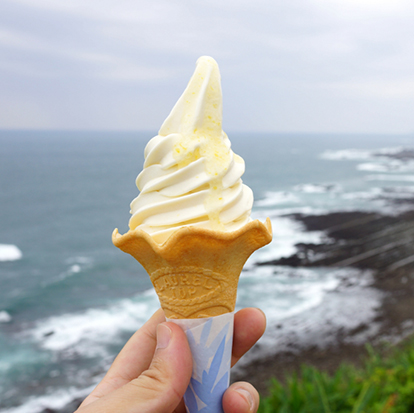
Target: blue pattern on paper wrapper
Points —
{"points": [[211, 388]]}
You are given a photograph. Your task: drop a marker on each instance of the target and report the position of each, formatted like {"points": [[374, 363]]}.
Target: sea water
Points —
{"points": [[69, 299]]}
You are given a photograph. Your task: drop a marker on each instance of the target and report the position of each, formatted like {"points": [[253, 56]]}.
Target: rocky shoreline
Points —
{"points": [[366, 241], [382, 246]]}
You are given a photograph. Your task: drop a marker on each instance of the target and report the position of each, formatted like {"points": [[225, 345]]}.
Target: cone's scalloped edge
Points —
{"points": [[255, 227], [195, 272]]}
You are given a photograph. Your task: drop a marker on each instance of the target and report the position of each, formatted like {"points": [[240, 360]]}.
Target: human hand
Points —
{"points": [[153, 370]]}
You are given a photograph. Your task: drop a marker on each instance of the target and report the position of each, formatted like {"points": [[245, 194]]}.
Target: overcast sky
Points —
{"points": [[286, 65]]}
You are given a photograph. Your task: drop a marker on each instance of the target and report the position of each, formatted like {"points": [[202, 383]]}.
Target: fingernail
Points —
{"points": [[163, 336], [246, 394]]}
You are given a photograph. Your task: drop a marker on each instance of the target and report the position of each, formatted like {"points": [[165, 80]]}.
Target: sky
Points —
{"points": [[315, 66]]}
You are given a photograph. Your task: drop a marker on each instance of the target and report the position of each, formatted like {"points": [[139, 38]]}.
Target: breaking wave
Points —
{"points": [[9, 252]]}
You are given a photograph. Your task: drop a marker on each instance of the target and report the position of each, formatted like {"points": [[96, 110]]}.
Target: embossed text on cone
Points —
{"points": [[195, 272]]}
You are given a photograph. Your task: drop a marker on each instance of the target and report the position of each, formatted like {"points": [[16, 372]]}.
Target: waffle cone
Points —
{"points": [[195, 272]]}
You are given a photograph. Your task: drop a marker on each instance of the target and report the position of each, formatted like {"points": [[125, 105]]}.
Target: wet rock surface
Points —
{"points": [[383, 244], [357, 239]]}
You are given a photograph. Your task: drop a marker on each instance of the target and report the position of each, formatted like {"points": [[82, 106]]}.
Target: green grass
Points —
{"points": [[384, 385]]}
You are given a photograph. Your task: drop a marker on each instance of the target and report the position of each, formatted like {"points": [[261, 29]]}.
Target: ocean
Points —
{"points": [[69, 299]]}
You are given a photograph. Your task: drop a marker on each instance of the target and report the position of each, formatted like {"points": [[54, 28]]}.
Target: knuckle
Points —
{"points": [[157, 380], [156, 375]]}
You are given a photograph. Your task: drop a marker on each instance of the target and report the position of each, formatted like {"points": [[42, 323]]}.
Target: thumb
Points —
{"points": [[160, 388]]}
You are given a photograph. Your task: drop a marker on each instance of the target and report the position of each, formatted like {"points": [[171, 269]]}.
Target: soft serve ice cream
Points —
{"points": [[191, 177]]}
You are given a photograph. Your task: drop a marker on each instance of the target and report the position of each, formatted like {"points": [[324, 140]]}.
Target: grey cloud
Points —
{"points": [[291, 66]]}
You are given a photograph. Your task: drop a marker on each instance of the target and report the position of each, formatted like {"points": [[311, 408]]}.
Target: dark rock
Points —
{"points": [[364, 240]]}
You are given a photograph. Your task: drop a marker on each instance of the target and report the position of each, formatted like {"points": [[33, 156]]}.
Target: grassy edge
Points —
{"points": [[385, 384]]}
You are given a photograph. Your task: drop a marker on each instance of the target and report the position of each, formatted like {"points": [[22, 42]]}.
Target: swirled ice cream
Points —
{"points": [[191, 176]]}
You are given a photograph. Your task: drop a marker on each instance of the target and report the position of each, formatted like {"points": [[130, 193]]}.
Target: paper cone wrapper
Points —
{"points": [[210, 341], [195, 272]]}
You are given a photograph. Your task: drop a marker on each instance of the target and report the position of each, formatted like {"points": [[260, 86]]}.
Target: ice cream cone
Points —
{"points": [[191, 230], [195, 272]]}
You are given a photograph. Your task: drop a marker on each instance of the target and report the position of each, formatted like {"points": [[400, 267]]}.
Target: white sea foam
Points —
{"points": [[388, 165], [72, 270], [378, 167], [54, 400], [283, 291], [304, 210], [382, 177], [287, 232], [336, 307], [382, 199], [5, 317], [389, 151], [316, 188], [378, 160], [370, 194], [9, 252], [89, 333], [347, 154], [75, 266], [262, 214], [360, 154], [276, 198]]}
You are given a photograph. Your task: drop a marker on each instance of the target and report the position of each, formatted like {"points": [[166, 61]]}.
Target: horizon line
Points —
{"points": [[154, 132]]}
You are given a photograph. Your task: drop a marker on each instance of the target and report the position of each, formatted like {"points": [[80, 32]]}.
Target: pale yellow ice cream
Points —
{"points": [[190, 227], [190, 175]]}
